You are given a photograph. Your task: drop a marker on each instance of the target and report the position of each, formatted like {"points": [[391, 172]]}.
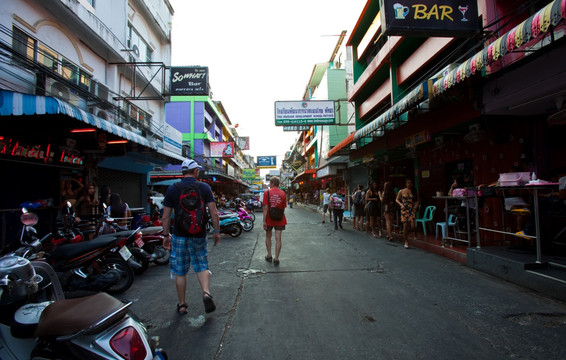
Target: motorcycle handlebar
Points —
{"points": [[46, 238]]}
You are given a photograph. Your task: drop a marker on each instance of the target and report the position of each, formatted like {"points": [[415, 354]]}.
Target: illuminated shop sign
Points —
{"points": [[40, 152], [429, 17]]}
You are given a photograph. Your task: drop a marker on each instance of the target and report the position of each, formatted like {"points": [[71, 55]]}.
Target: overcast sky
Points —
{"points": [[259, 52]]}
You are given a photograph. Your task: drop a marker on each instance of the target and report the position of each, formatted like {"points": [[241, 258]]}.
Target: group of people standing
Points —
{"points": [[374, 204], [88, 206]]}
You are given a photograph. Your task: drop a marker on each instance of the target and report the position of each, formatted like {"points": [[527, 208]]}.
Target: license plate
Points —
{"points": [[125, 253], [139, 242]]}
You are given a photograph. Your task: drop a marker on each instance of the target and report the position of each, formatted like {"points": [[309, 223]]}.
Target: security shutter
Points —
{"points": [[127, 184]]}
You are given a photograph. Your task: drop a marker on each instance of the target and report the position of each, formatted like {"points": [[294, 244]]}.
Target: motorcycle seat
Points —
{"points": [[67, 251], [152, 230], [227, 216], [69, 316]]}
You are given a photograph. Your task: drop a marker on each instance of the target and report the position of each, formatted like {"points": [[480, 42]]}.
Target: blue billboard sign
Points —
{"points": [[266, 162]]}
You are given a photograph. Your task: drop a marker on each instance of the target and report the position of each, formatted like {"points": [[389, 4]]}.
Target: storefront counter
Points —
{"points": [[534, 191]]}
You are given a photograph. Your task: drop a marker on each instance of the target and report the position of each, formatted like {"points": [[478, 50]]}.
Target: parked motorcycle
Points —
{"points": [[246, 219], [243, 211], [92, 266], [230, 224], [152, 238], [36, 322], [253, 204], [140, 259]]}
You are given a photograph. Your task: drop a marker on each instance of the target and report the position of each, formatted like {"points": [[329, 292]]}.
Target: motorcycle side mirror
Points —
{"points": [[29, 219]]}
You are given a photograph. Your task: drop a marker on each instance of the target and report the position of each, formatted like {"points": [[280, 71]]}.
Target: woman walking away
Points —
{"points": [[359, 208], [388, 205], [409, 203], [372, 199]]}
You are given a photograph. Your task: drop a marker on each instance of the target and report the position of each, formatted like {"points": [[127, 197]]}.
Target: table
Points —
{"points": [[535, 189], [464, 199]]}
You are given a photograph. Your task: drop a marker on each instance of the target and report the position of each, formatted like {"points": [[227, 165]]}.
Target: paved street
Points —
{"points": [[343, 295]]}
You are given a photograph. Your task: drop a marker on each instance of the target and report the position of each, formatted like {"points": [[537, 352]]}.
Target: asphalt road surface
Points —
{"points": [[340, 294]]}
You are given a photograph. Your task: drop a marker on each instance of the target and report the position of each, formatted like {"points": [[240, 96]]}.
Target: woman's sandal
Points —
{"points": [[268, 258], [182, 309], [275, 262]]}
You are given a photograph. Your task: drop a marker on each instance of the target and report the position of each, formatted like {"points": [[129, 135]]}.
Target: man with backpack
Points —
{"points": [[188, 199], [337, 206]]}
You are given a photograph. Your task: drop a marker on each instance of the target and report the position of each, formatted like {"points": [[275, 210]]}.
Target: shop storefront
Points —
{"points": [[50, 151]]}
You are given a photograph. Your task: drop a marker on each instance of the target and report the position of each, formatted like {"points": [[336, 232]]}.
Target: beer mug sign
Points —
{"points": [[400, 11]]}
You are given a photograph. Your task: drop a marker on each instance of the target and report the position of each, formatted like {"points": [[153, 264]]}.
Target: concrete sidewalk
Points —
{"points": [[347, 214]]}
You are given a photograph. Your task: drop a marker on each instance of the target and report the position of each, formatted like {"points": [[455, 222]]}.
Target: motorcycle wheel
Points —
{"points": [[161, 255], [235, 230], [248, 225], [126, 274], [141, 258], [252, 215]]}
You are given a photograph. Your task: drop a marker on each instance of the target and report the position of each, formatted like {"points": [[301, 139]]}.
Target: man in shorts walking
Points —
{"points": [[189, 250], [274, 197]]}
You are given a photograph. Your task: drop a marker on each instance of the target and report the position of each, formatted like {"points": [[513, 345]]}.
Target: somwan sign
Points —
{"points": [[429, 17], [320, 112]]}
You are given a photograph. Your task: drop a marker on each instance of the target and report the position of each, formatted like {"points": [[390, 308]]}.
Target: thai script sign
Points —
{"points": [[429, 17], [189, 80], [304, 113]]}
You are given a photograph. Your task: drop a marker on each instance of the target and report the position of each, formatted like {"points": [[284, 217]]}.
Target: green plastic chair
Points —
{"points": [[427, 217]]}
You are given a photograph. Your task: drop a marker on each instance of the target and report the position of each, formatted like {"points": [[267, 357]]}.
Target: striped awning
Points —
{"points": [[18, 104], [416, 96], [521, 34]]}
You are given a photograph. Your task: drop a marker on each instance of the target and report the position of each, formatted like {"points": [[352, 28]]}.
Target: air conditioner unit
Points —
{"points": [[100, 90], [63, 92], [101, 113], [135, 51]]}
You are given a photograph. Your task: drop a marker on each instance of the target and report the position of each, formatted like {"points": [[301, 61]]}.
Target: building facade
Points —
{"points": [[83, 97], [463, 107]]}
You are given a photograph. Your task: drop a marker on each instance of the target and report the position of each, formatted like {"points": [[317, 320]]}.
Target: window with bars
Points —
{"points": [[23, 44], [142, 51], [38, 52]]}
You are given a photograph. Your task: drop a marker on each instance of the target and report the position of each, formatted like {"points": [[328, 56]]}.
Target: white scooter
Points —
{"points": [[36, 322]]}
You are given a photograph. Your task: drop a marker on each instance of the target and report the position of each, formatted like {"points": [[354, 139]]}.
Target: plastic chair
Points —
{"points": [[446, 227], [427, 217]]}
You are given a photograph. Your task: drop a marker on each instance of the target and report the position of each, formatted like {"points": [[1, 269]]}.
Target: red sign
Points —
{"points": [[222, 149], [46, 153]]}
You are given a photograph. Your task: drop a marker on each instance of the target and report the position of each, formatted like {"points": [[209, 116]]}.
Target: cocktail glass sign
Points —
{"points": [[429, 17], [319, 112]]}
